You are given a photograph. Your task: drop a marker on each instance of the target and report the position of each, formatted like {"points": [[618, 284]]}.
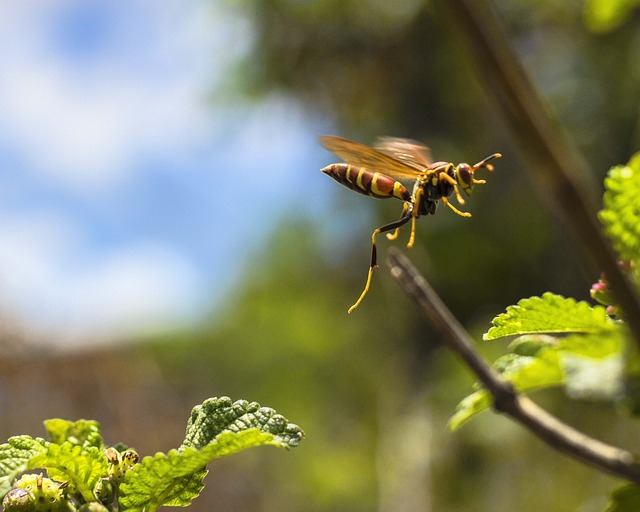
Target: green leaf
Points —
{"points": [[469, 406], [81, 432], [217, 428], [549, 314], [625, 499], [81, 466], [216, 415], [595, 346], [606, 15], [534, 365], [621, 213], [175, 479], [589, 366], [14, 458], [530, 373]]}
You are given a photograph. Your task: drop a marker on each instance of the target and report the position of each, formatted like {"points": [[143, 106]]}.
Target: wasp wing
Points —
{"points": [[409, 151], [358, 154]]}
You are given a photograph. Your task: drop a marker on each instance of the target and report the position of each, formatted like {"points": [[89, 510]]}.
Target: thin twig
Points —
{"points": [[556, 166], [547, 427]]}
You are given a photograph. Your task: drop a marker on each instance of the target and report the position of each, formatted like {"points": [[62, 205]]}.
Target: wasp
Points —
{"points": [[377, 172]]}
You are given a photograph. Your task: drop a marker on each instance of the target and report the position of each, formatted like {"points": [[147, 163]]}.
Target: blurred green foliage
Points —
{"points": [[607, 15], [373, 390]]}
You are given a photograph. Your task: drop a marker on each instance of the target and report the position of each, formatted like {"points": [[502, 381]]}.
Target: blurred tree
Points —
{"points": [[377, 399], [379, 67]]}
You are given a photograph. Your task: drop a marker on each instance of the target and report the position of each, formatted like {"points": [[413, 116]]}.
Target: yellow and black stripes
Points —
{"points": [[369, 183]]}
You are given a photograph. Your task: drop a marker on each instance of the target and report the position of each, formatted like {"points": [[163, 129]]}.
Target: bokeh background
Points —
{"points": [[166, 236]]}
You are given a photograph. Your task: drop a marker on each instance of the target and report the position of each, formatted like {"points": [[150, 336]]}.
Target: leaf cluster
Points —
{"points": [[75, 456], [584, 349]]}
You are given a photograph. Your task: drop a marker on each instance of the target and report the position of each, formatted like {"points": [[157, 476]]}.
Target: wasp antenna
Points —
{"points": [[483, 163]]}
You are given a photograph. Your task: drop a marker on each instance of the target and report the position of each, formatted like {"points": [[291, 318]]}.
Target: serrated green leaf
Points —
{"points": [[14, 458], [527, 373], [606, 15], [548, 314], [81, 432], [157, 481], [621, 213], [216, 428], [589, 366], [175, 479], [217, 415], [625, 499], [81, 466]]}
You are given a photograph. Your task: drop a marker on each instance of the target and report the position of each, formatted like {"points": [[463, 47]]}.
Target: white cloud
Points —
{"points": [[92, 237], [79, 127], [51, 286], [86, 125], [142, 285]]}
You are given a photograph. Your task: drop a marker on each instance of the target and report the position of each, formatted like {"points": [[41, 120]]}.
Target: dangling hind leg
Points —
{"points": [[396, 232], [374, 253], [415, 212]]}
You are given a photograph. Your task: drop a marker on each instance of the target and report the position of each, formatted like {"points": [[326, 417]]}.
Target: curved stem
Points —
{"points": [[556, 166], [544, 425]]}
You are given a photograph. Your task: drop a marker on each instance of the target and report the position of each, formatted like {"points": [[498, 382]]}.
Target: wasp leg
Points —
{"points": [[374, 253], [415, 211], [396, 232], [448, 203], [454, 184]]}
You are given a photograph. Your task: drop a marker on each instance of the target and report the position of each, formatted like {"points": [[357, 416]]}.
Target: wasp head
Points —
{"points": [[465, 172], [464, 177]]}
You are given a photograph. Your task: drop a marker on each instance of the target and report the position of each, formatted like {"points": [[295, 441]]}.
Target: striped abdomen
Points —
{"points": [[367, 182]]}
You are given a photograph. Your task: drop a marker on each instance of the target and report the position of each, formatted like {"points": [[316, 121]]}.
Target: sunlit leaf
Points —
{"points": [[621, 213], [469, 406], [81, 466], [81, 432], [217, 415], [540, 369], [625, 499], [14, 458], [176, 478], [589, 366], [549, 314], [217, 428], [607, 15]]}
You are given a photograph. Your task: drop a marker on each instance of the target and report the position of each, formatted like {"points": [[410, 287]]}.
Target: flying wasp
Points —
{"points": [[377, 171]]}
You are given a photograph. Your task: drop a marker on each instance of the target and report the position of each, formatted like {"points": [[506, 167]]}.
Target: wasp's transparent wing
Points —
{"points": [[361, 155], [409, 151]]}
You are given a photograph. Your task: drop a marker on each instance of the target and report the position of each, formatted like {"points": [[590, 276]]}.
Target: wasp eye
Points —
{"points": [[465, 177]]}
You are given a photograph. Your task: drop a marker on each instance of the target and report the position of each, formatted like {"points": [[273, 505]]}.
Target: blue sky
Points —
{"points": [[128, 197]]}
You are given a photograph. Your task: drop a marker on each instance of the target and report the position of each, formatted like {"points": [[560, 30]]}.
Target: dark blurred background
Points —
{"points": [[373, 390]]}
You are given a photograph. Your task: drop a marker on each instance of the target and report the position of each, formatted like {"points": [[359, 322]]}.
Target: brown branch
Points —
{"points": [[556, 166], [547, 427]]}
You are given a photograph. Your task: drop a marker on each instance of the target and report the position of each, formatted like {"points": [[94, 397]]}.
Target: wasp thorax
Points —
{"points": [[464, 176]]}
